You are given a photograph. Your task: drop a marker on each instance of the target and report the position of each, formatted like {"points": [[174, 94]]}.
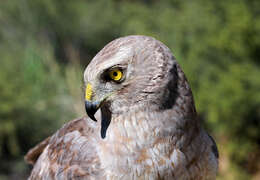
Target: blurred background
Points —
{"points": [[45, 46]]}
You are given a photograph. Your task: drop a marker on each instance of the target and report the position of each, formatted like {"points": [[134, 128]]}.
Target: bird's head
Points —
{"points": [[133, 71]]}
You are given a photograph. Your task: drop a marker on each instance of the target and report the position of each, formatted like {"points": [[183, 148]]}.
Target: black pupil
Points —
{"points": [[114, 73]]}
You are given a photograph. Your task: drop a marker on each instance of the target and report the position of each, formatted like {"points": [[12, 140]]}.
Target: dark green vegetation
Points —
{"points": [[45, 45]]}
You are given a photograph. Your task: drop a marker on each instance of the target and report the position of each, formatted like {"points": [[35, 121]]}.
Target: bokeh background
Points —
{"points": [[46, 44]]}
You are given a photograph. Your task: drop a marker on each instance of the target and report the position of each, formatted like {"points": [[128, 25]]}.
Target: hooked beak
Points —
{"points": [[91, 108]]}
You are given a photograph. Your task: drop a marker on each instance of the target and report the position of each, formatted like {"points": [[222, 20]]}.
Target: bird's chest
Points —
{"points": [[126, 161], [142, 150]]}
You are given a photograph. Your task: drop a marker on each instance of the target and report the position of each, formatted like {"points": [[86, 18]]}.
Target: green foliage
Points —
{"points": [[45, 46], [34, 101]]}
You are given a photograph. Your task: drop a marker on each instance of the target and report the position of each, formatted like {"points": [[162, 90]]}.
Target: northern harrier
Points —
{"points": [[147, 126]]}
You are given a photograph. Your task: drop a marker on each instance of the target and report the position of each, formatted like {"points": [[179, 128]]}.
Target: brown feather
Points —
{"points": [[34, 153]]}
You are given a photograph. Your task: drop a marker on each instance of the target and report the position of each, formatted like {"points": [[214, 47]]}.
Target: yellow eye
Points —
{"points": [[115, 74]]}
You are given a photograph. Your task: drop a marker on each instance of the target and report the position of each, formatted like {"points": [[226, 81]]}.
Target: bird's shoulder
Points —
{"points": [[70, 152], [78, 124]]}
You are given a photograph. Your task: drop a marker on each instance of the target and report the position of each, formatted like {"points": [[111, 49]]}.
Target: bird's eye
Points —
{"points": [[115, 74]]}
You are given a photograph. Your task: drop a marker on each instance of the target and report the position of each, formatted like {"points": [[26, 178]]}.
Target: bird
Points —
{"points": [[140, 122]]}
